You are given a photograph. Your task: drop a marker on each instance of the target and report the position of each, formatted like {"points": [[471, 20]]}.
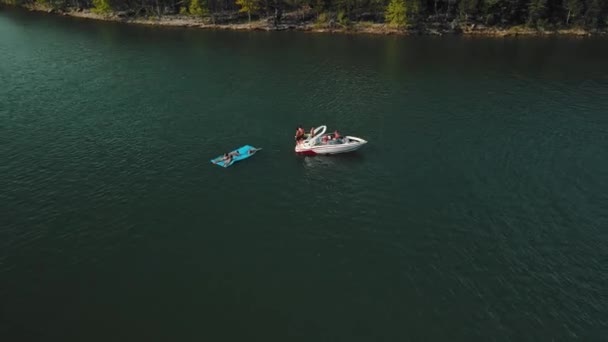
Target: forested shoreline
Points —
{"points": [[375, 16]]}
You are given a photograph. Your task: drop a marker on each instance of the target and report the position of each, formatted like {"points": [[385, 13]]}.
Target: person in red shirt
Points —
{"points": [[299, 134]]}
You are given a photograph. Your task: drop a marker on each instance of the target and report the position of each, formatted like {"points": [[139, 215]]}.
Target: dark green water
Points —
{"points": [[478, 211]]}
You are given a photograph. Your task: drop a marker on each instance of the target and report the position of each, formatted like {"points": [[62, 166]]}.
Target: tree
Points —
{"points": [[101, 6], [468, 8], [396, 13], [574, 8], [248, 6], [537, 10], [344, 5], [593, 15], [343, 19], [319, 6], [198, 8]]}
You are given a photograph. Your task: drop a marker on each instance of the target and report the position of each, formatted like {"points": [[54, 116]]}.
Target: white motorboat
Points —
{"points": [[321, 143]]}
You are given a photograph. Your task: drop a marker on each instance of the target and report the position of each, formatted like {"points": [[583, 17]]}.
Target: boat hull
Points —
{"points": [[328, 149]]}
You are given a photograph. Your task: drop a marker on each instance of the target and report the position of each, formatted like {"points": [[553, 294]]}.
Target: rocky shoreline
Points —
{"points": [[296, 21]]}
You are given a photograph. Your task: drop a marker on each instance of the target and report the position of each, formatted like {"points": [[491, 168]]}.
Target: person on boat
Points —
{"points": [[226, 158], [312, 132], [300, 134], [252, 151], [325, 139], [337, 135], [235, 153]]}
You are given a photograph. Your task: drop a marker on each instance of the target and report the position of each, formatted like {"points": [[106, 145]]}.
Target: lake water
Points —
{"points": [[478, 210]]}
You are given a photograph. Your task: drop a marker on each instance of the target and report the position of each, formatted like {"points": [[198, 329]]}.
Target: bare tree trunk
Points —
{"points": [[568, 18]]}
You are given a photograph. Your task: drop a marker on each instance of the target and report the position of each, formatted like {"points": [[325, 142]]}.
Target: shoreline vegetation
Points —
{"points": [[399, 17]]}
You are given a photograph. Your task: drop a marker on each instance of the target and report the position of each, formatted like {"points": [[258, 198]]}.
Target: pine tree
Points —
{"points": [[198, 8], [101, 6], [396, 13], [537, 10], [248, 6]]}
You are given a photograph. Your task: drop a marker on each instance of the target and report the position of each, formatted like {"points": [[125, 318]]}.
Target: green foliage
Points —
{"points": [[377, 6], [54, 4], [593, 15], [318, 5], [467, 8], [323, 18], [506, 11], [543, 14], [574, 9], [537, 11], [198, 8], [413, 8], [344, 5], [396, 13], [102, 6], [343, 19], [248, 6]]}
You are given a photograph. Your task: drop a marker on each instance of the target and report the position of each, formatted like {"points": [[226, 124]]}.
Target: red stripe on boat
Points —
{"points": [[307, 153]]}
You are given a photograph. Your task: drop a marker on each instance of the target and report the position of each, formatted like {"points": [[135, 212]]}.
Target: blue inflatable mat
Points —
{"points": [[243, 153]]}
